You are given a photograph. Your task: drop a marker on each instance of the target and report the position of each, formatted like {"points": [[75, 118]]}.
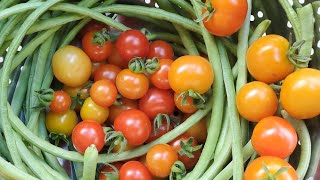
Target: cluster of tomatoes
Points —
{"points": [[137, 106]]}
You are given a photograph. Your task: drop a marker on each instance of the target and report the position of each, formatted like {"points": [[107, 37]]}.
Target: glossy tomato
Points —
{"points": [[274, 136], [134, 125], [107, 71], [134, 170], [161, 50], [161, 131], [116, 59], [71, 66], [61, 102], [228, 16], [104, 92], [125, 104], [92, 111], [132, 85], [108, 169], [267, 59], [198, 131], [256, 171], [61, 123], [87, 133], [157, 101], [160, 159], [256, 100], [160, 78], [187, 107], [300, 95], [191, 73], [132, 43], [189, 162]]}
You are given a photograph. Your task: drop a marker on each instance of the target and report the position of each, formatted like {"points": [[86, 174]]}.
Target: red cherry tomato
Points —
{"points": [[198, 131], [160, 78], [107, 71], [103, 92], [161, 50], [61, 102], [116, 59], [134, 170], [126, 104], [93, 25], [187, 107]]}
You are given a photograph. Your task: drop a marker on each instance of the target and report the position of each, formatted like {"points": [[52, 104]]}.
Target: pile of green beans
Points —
{"points": [[41, 27]]}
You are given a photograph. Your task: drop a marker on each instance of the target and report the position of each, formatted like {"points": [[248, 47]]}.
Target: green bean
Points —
{"points": [[259, 30], [224, 133], [252, 158], [179, 49], [14, 80], [305, 142], [296, 4], [7, 3], [164, 36], [9, 26], [4, 47], [72, 34], [316, 6], [184, 5], [272, 12], [4, 149], [90, 163], [10, 171], [315, 141]]}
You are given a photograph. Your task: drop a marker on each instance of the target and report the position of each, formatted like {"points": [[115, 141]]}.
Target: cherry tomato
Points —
{"points": [[256, 100], [116, 59], [227, 18], [134, 170], [267, 59], [92, 111], [161, 131], [61, 123], [61, 102], [87, 133], [189, 163], [93, 25], [134, 125], [161, 50], [132, 85], [107, 71], [108, 169], [187, 107], [191, 73], [198, 131], [300, 95], [132, 43], [103, 92], [157, 101], [160, 159], [126, 104], [274, 136], [71, 66], [160, 78], [95, 67], [256, 171]]}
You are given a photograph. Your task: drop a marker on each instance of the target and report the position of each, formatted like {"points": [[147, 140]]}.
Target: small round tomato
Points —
{"points": [[157, 101], [95, 66], [161, 50], [160, 159], [191, 73], [97, 49], [198, 131], [267, 59], [160, 78], [134, 170], [300, 95], [92, 111], [61, 102], [116, 59], [104, 92], [132, 85], [125, 104], [161, 131], [61, 123], [107, 71], [134, 125], [187, 107], [87, 133], [189, 162], [132, 43], [93, 25], [108, 169], [256, 100], [71, 66], [228, 16], [274, 136], [256, 171]]}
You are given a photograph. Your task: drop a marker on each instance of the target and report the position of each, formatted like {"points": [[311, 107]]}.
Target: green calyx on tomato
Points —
{"points": [[178, 171], [44, 97], [297, 60], [136, 65], [273, 176], [198, 99], [113, 174], [157, 122], [57, 138], [187, 148], [152, 65], [114, 138], [77, 100], [101, 37], [209, 11]]}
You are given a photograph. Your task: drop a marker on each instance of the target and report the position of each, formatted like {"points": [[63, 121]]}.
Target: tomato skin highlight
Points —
{"points": [[191, 73], [300, 95], [71, 66], [227, 18], [134, 170], [160, 159], [107, 71], [103, 92], [91, 110], [255, 170], [267, 59], [61, 102], [86, 133], [132, 85], [160, 78], [157, 101], [161, 50], [134, 125], [132, 43], [274, 136], [256, 100], [61, 123]]}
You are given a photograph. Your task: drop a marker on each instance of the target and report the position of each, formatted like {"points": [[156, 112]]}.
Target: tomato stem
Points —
{"points": [[136, 65], [187, 148], [157, 122], [44, 97], [114, 138], [152, 65]]}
